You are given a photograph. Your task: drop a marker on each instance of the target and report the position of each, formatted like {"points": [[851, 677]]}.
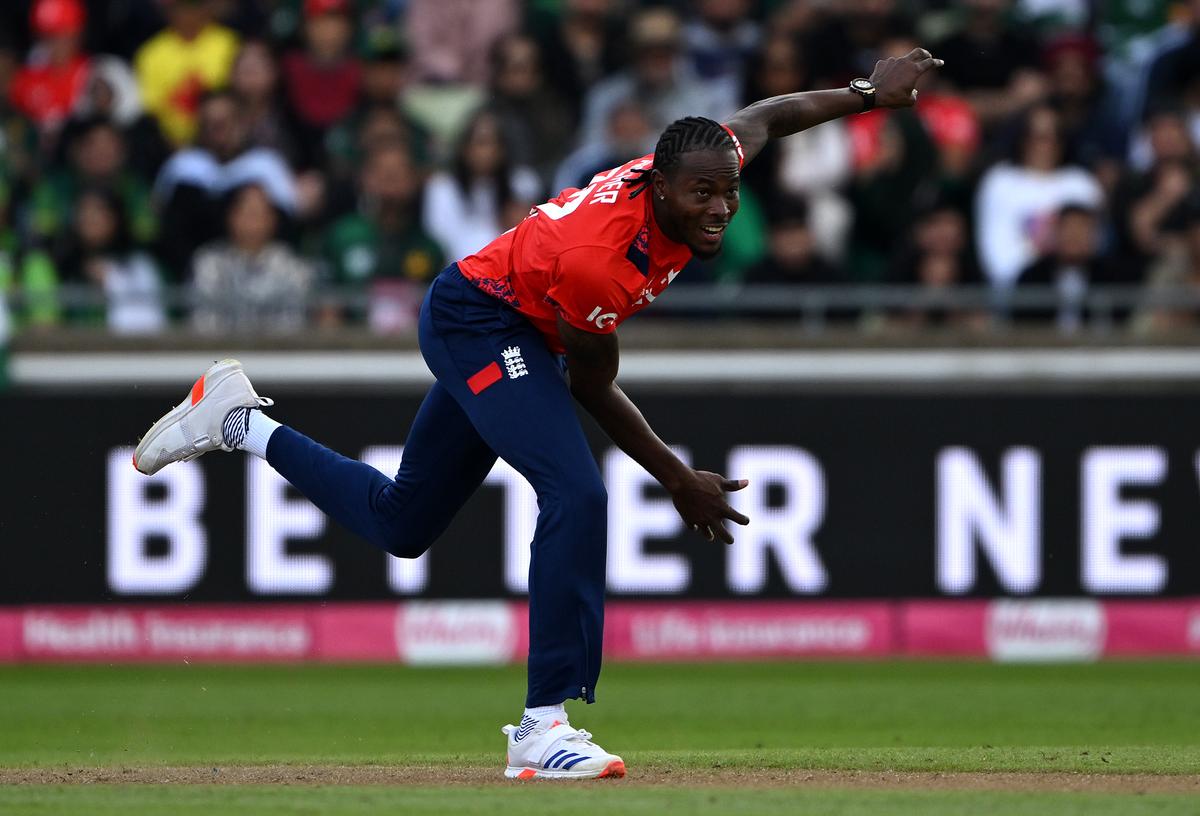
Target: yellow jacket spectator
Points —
{"points": [[193, 54]]}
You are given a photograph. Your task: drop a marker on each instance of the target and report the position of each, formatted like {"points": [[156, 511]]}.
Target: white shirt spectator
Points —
{"points": [[464, 222], [817, 164], [1014, 214], [133, 293]]}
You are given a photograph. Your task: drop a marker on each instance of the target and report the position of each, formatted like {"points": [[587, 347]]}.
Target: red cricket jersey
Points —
{"points": [[594, 256], [47, 93]]}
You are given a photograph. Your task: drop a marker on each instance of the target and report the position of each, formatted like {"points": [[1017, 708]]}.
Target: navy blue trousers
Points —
{"points": [[529, 420]]}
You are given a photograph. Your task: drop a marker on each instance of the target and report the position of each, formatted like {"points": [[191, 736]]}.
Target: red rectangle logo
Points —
{"points": [[487, 377]]}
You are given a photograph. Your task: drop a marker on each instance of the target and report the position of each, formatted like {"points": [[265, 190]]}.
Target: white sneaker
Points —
{"points": [[193, 427], [542, 749]]}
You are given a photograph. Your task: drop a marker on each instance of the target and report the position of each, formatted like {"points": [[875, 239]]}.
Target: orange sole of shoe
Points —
{"points": [[613, 770]]}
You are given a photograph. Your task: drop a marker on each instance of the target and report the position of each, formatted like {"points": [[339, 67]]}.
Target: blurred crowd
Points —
{"points": [[275, 165]]}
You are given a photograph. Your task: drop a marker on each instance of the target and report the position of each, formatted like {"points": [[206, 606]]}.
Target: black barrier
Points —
{"points": [[852, 496]]}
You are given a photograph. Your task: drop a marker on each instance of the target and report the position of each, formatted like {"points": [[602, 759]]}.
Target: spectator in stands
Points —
{"points": [[793, 255], [814, 164], [5, 332], [580, 45], [1071, 265], [177, 66], [844, 39], [951, 124], [993, 64], [97, 153], [381, 248], [1173, 72], [27, 278], [628, 135], [10, 244], [720, 39], [386, 67], [49, 85], [194, 182], [1017, 200], [98, 254], [482, 195], [1173, 280], [254, 81], [112, 93], [18, 136], [1167, 133], [1152, 205], [937, 259], [535, 121], [452, 39], [387, 75], [1091, 129], [249, 280], [660, 79], [890, 166], [324, 79]]}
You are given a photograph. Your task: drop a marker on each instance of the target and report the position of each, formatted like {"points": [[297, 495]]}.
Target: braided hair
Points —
{"points": [[681, 136]]}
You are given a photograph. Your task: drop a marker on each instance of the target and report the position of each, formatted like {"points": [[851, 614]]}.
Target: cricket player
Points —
{"points": [[512, 334]]}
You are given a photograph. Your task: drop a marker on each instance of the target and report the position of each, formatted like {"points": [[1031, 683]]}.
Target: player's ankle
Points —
{"points": [[249, 429], [558, 712]]}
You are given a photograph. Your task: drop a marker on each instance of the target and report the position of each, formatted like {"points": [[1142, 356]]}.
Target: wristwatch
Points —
{"points": [[866, 89]]}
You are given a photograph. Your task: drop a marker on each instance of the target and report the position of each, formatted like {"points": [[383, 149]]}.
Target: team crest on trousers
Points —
{"points": [[514, 362]]}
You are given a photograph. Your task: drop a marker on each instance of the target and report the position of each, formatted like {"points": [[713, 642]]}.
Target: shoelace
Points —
{"points": [[580, 736]]}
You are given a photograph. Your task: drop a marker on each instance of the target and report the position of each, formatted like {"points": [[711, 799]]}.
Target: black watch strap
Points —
{"points": [[865, 89]]}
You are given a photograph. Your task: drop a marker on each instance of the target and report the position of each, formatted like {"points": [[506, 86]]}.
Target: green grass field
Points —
{"points": [[711, 739]]}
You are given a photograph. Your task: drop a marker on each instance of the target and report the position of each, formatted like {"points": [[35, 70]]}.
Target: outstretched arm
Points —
{"points": [[699, 496], [779, 116]]}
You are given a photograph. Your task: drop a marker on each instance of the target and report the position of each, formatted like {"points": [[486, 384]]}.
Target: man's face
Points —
{"points": [[220, 127], [698, 198], [100, 152], [328, 35], [189, 17], [655, 64], [390, 177], [383, 80]]}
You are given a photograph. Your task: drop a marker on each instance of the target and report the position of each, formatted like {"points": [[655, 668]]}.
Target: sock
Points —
{"points": [[248, 429], [556, 712]]}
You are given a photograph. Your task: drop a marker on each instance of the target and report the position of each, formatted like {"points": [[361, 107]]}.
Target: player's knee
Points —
{"points": [[400, 542], [586, 501]]}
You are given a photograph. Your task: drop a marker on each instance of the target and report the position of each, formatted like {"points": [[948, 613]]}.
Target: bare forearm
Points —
{"points": [[781, 116], [628, 429], [894, 81]]}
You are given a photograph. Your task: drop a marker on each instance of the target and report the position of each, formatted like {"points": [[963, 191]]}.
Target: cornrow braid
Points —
{"points": [[681, 136]]}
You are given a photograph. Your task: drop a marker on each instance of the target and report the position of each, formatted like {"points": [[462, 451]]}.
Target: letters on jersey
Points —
{"points": [[594, 256]]}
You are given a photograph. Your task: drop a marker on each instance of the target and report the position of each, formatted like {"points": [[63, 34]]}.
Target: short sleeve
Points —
{"points": [[587, 289]]}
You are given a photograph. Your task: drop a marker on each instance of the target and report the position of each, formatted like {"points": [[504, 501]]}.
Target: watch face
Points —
{"points": [[862, 85]]}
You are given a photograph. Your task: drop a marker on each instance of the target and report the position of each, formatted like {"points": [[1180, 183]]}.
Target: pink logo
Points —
{"points": [[456, 632], [1030, 630]]}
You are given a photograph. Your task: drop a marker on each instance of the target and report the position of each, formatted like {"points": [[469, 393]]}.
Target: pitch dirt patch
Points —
{"points": [[436, 775]]}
